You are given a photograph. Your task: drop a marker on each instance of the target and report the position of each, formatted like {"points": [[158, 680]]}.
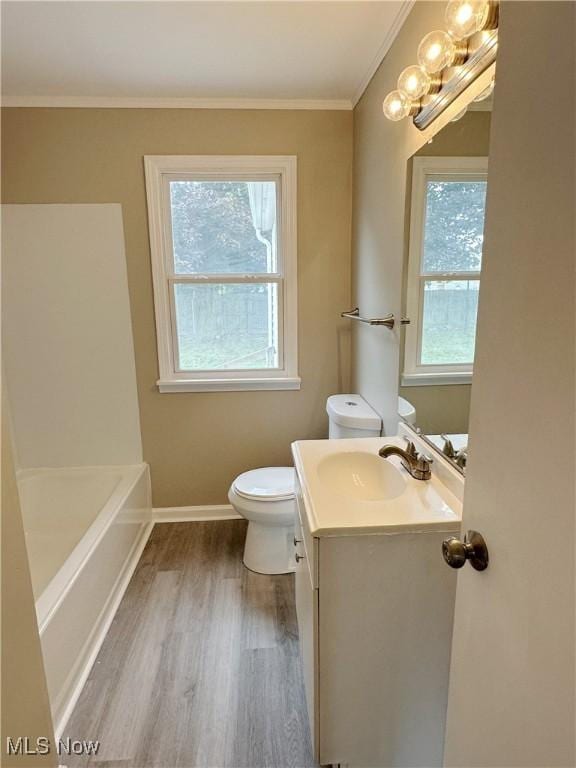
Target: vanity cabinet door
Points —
{"points": [[307, 614]]}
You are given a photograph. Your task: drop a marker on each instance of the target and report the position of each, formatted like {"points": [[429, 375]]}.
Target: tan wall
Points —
{"points": [[381, 150], [444, 408], [197, 442], [25, 706]]}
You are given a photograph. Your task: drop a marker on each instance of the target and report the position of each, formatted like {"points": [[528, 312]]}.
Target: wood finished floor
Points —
{"points": [[200, 666]]}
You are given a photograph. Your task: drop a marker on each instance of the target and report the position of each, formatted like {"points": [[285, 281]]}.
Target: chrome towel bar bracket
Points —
{"points": [[387, 320]]}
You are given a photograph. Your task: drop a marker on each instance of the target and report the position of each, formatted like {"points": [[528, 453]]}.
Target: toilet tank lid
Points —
{"points": [[352, 411]]}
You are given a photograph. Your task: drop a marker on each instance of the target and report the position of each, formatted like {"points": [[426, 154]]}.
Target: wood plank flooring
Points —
{"points": [[201, 665]]}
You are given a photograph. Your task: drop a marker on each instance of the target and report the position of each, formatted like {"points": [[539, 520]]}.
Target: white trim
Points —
{"points": [[230, 385], [68, 700], [469, 168], [430, 379], [194, 514], [158, 168], [391, 34], [174, 102]]}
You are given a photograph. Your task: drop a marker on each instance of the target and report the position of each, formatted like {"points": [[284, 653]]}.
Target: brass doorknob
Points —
{"points": [[473, 548]]}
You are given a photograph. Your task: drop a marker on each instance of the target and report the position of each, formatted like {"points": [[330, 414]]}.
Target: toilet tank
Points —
{"points": [[351, 416]]}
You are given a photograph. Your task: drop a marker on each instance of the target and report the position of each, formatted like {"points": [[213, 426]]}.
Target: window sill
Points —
{"points": [[227, 385], [435, 379]]}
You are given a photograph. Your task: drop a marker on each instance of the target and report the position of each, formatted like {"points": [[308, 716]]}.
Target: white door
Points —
{"points": [[512, 689]]}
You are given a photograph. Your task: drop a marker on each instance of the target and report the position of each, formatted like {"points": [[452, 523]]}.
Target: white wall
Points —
{"points": [[67, 336]]}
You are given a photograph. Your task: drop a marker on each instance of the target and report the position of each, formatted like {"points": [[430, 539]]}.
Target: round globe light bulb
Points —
{"points": [[436, 52], [396, 105], [466, 17], [414, 81]]}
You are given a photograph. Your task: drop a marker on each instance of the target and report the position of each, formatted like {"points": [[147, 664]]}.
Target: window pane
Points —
{"points": [[454, 228], [449, 321], [223, 227], [227, 326]]}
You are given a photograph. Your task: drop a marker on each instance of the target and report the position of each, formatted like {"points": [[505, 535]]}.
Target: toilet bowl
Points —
{"points": [[265, 497]]}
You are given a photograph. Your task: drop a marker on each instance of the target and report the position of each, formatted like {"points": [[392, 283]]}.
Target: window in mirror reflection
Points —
{"points": [[449, 321], [445, 262]]}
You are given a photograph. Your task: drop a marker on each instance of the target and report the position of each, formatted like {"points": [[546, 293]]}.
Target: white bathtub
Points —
{"points": [[85, 530]]}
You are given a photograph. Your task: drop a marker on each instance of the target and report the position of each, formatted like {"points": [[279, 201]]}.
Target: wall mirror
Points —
{"points": [[442, 276]]}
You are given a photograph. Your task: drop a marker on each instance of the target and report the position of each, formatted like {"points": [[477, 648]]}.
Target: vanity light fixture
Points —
{"points": [[398, 105], [416, 82], [466, 17], [438, 50], [448, 61]]}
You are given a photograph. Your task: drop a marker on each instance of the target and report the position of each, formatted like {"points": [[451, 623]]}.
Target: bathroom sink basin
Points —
{"points": [[344, 487], [361, 476]]}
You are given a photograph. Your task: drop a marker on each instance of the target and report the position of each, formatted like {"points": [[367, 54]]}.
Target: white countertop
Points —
{"points": [[334, 502]]}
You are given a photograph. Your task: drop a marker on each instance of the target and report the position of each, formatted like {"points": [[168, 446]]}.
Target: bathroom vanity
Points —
{"points": [[374, 601]]}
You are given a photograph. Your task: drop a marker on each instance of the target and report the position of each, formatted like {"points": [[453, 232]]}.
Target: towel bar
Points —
{"points": [[387, 320]]}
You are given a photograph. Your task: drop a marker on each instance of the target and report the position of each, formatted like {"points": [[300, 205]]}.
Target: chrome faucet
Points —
{"points": [[416, 464]]}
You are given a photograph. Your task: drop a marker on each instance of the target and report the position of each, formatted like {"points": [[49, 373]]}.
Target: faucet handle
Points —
{"points": [[421, 467], [410, 448], [448, 450]]}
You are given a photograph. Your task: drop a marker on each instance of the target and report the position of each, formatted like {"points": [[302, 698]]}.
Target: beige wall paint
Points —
{"points": [[196, 443], [443, 408], [381, 150], [25, 705]]}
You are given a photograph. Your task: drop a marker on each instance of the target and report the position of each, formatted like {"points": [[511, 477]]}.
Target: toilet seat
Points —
{"points": [[266, 484]]}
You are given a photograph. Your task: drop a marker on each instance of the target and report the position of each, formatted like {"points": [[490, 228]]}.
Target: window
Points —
{"points": [[444, 266], [223, 244]]}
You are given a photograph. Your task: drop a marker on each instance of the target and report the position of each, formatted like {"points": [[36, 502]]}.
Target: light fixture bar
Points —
{"points": [[477, 63], [448, 62]]}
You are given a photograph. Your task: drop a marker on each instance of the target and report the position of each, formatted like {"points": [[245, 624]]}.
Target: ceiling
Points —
{"points": [[306, 54]]}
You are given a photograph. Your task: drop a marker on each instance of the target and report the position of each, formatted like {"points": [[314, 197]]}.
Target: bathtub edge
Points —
{"points": [[79, 674]]}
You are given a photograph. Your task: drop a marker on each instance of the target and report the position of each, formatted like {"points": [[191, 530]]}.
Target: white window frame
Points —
{"points": [[160, 170], [423, 170]]}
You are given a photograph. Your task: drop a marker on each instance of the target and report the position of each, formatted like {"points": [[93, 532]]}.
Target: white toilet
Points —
{"points": [[265, 497]]}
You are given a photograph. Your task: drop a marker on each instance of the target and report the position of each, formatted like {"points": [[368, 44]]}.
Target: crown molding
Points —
{"points": [[165, 102], [401, 17]]}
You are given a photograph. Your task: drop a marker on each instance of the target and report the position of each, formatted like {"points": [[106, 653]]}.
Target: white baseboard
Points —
{"points": [[195, 514], [98, 635]]}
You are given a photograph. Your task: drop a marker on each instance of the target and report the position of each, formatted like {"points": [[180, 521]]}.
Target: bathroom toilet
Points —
{"points": [[266, 497]]}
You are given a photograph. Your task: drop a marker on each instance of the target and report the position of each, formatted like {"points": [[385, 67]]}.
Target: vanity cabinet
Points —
{"points": [[375, 615]]}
